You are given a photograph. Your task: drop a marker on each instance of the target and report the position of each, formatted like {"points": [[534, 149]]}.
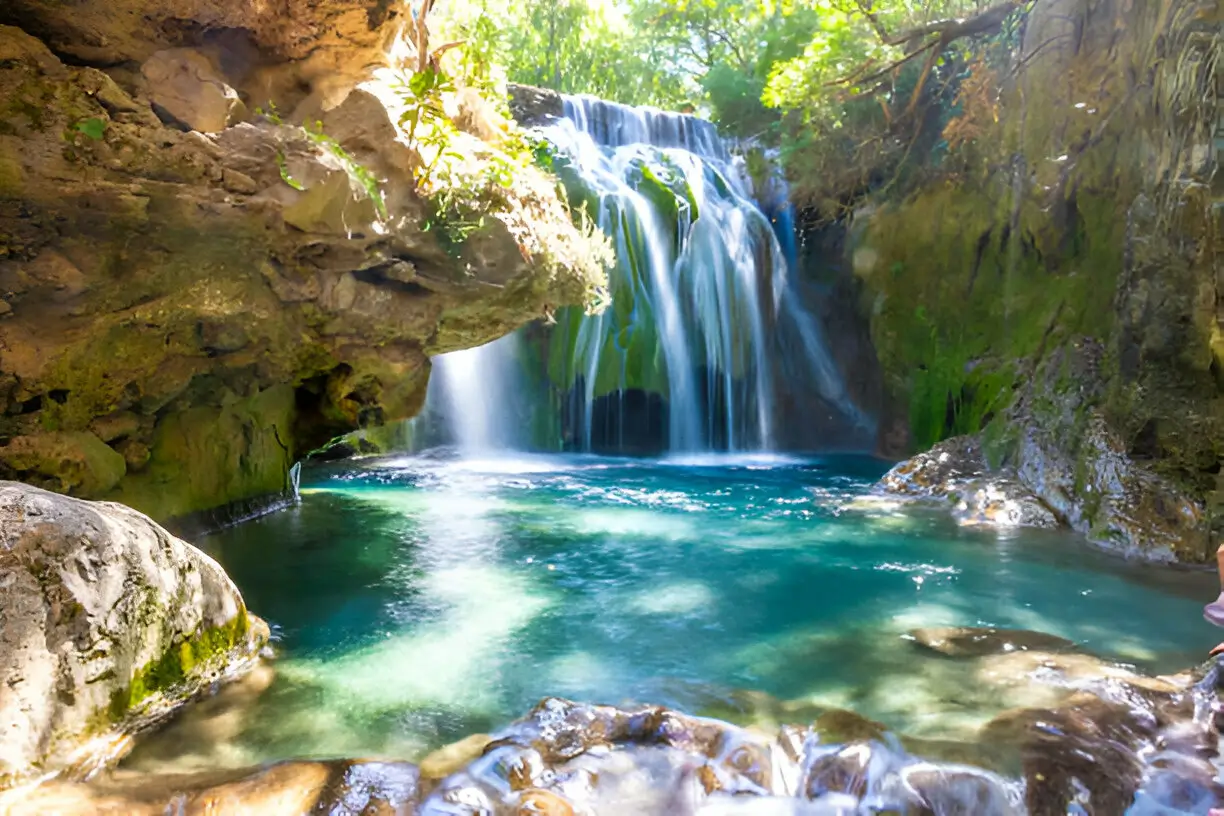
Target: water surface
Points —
{"points": [[417, 601]]}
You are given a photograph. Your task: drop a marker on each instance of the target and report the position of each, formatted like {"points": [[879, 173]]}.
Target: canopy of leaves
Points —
{"points": [[818, 78]]}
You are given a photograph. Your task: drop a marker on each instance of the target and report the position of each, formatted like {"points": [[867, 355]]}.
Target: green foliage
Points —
{"points": [[357, 172], [94, 128], [284, 172], [866, 100]]}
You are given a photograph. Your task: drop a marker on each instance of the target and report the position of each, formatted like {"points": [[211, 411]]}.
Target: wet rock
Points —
{"points": [[938, 471], [1103, 493], [838, 770], [107, 623], [1086, 751], [535, 106], [960, 791], [568, 758], [541, 802], [451, 758], [371, 789], [285, 789], [972, 641], [955, 471]]}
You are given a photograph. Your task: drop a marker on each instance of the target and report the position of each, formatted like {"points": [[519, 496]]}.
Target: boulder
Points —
{"points": [[955, 472], [1067, 453], [1117, 503], [183, 84], [535, 106], [107, 625]]}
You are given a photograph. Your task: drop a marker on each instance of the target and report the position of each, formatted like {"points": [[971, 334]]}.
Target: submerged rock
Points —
{"points": [[107, 624], [567, 758], [975, 641], [955, 471]]}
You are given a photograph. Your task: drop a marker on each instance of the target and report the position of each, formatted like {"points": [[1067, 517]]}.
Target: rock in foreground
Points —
{"points": [[566, 758], [107, 624], [955, 471]]}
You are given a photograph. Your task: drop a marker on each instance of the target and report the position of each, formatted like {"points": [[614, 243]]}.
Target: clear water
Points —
{"points": [[417, 601]]}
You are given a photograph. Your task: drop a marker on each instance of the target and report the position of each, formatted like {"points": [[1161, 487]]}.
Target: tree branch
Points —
{"points": [[886, 69], [949, 30], [865, 6]]}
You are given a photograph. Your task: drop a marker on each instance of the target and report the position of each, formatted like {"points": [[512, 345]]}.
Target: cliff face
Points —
{"points": [[185, 314], [1054, 285]]}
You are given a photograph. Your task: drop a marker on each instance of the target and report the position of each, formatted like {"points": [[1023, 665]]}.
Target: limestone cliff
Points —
{"points": [[1051, 281], [185, 313]]}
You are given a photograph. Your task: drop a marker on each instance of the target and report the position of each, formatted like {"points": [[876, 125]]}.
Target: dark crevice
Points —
{"points": [[983, 243], [375, 277], [31, 406], [1146, 443], [169, 119]]}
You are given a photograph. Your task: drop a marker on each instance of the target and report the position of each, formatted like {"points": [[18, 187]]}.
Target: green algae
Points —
{"points": [[205, 457], [180, 662]]}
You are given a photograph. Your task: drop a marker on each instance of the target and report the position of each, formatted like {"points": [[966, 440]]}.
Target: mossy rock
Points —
{"points": [[139, 623]]}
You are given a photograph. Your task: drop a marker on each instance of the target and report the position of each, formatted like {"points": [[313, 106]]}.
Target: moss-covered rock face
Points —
{"points": [[107, 624], [182, 316], [1085, 219]]}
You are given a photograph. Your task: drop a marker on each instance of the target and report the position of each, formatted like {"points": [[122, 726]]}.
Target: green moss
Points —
{"points": [[178, 664], [78, 463], [962, 301], [203, 458], [12, 177]]}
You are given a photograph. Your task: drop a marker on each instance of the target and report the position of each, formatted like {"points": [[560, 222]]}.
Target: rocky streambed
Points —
{"points": [[1128, 740], [111, 626]]}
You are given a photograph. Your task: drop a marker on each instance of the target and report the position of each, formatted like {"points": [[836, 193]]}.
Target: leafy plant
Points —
{"points": [[93, 128], [284, 172], [361, 175]]}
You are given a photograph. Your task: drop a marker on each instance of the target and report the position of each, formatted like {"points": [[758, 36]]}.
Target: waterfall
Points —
{"points": [[472, 402], [705, 330], [701, 287]]}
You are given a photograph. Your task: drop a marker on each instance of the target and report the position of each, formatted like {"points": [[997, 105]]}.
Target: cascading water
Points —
{"points": [[472, 401], [705, 323], [701, 287]]}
